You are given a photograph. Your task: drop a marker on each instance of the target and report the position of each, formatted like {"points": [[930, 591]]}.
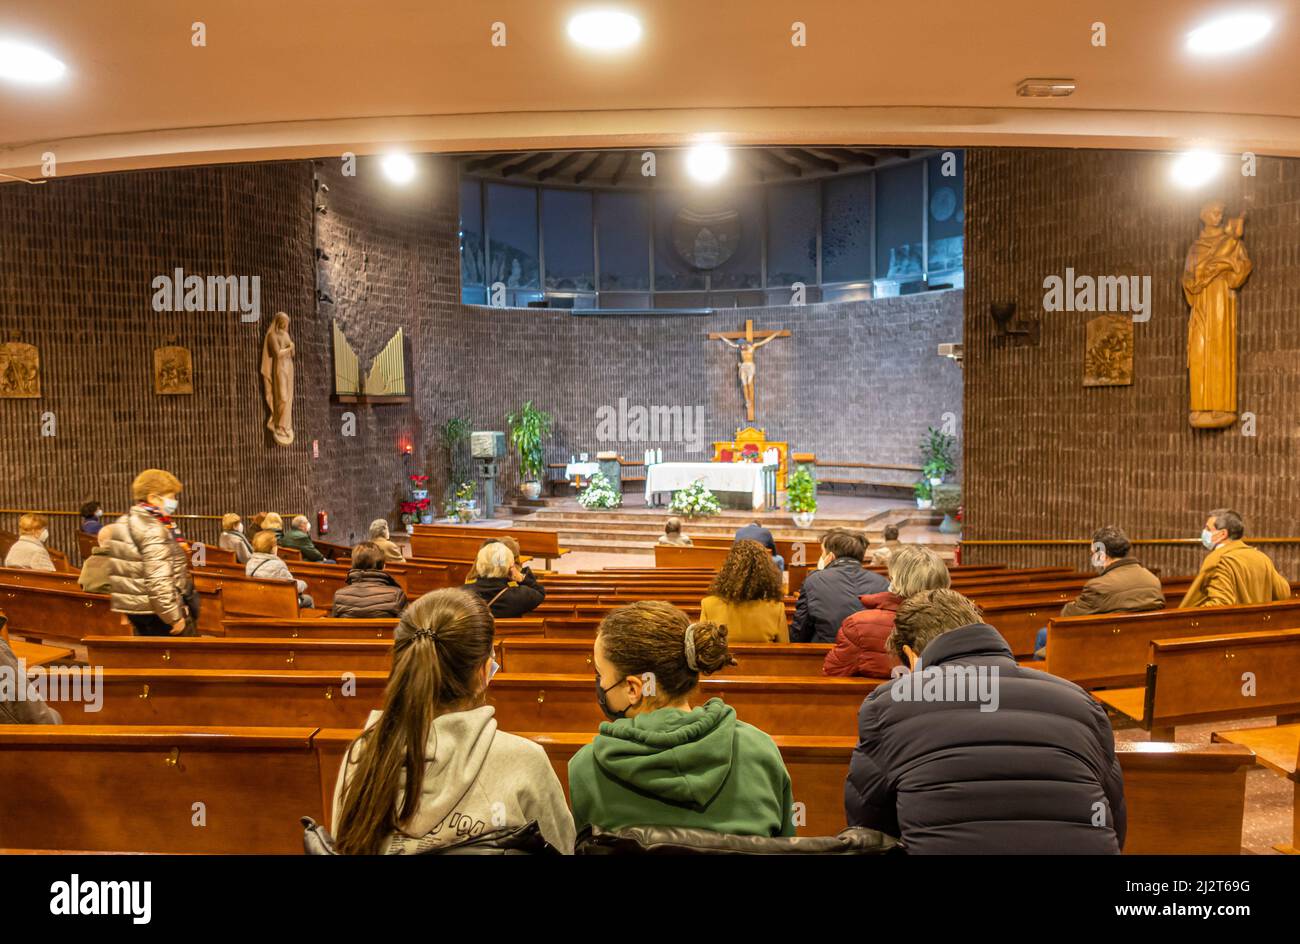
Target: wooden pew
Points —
{"points": [[1205, 678], [1185, 801], [463, 542], [249, 697], [1277, 749], [109, 788], [776, 704], [34, 655], [64, 615], [329, 628], [239, 652], [1112, 649], [211, 610], [573, 657], [249, 596], [323, 580], [428, 574]]}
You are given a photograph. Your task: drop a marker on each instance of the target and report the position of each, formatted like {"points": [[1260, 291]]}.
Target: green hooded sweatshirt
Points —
{"points": [[702, 768]]}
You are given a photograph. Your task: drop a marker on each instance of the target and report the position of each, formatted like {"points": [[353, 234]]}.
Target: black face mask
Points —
{"points": [[610, 713]]}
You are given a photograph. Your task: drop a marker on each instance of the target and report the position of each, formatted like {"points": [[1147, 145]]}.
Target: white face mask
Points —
{"points": [[240, 527], [44, 535], [170, 505]]}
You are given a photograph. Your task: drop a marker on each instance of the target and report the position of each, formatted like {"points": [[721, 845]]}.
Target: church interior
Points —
{"points": [[589, 323]]}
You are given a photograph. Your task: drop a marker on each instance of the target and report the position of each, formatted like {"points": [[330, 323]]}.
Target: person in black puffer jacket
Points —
{"points": [[1013, 761], [370, 593], [509, 590], [830, 595]]}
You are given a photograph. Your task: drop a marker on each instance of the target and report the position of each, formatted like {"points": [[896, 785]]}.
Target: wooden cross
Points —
{"points": [[747, 347]]}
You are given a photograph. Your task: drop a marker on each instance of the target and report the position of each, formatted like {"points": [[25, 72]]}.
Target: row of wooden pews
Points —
{"points": [[267, 706]]}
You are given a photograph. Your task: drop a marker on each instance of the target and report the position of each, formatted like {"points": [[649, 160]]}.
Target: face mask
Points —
{"points": [[1207, 539], [609, 712], [170, 505], [99, 513], [240, 527], [1099, 561], [43, 536]]}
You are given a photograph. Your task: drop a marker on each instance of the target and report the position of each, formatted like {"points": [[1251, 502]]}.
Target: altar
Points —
{"points": [[747, 479]]}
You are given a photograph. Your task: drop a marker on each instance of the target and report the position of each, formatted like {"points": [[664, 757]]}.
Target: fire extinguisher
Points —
{"points": [[322, 523]]}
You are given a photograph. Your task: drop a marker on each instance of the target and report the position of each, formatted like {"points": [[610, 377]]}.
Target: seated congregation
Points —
{"points": [[728, 703]]}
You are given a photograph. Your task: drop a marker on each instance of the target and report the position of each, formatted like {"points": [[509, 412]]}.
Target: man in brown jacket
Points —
{"points": [[1234, 573], [1123, 585]]}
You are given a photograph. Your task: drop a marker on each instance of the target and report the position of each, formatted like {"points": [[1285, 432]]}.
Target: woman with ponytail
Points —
{"points": [[435, 729], [658, 761]]}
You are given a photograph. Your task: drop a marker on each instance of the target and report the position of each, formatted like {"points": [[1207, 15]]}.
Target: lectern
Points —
{"points": [[487, 448]]}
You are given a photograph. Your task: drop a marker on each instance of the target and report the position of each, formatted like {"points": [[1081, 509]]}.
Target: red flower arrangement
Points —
{"points": [[415, 507], [750, 453], [418, 480]]}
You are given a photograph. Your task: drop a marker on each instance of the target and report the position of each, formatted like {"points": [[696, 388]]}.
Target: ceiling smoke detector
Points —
{"points": [[1045, 88]]}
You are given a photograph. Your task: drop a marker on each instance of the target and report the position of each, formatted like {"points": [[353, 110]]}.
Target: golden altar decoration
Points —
{"points": [[753, 436]]}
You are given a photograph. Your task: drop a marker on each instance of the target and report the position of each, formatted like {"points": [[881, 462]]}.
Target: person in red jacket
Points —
{"points": [[860, 643]]}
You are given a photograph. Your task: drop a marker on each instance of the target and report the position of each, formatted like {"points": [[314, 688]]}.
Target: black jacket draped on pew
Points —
{"points": [[1036, 775]]}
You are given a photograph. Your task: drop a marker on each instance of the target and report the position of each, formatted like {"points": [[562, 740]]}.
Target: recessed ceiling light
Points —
{"points": [[605, 30], [20, 62], [707, 163], [1228, 33], [1194, 168], [399, 168]]}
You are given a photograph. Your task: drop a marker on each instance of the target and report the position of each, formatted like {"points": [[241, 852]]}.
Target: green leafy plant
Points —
{"points": [[695, 501], [801, 491], [924, 490], [600, 493], [528, 427], [937, 453]]}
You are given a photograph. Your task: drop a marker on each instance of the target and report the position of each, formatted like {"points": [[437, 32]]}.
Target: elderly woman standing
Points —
{"points": [[860, 647], [150, 578]]}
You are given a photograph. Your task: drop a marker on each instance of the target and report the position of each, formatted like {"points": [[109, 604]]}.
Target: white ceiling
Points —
{"points": [[293, 78]]}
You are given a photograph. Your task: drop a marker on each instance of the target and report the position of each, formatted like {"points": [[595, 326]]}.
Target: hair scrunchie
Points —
{"points": [[690, 648]]}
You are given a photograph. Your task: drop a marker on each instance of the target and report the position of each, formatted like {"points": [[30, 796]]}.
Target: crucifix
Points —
{"points": [[747, 346]]}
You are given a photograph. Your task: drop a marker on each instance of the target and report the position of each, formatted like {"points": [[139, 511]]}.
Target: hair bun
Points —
{"points": [[711, 653]]}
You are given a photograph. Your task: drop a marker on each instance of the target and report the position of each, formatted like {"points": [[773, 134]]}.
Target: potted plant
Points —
{"points": [[695, 501], [924, 492], [463, 503], [801, 496], [947, 499], [528, 427], [410, 514], [936, 455], [600, 493], [419, 487]]}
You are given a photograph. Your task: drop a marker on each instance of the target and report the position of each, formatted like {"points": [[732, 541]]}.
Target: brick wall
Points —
{"points": [[1048, 458], [857, 381]]}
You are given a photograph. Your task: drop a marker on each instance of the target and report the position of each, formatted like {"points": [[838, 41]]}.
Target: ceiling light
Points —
{"points": [[399, 168], [605, 30], [1193, 168], [20, 62], [1228, 33], [707, 162]]}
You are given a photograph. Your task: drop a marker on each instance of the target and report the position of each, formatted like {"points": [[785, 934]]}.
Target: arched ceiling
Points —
{"points": [[298, 78]]}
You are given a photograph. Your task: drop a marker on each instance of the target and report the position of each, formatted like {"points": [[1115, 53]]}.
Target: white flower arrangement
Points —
{"points": [[695, 501], [600, 493]]}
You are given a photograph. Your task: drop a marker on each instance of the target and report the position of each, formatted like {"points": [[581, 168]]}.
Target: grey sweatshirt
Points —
{"points": [[476, 779]]}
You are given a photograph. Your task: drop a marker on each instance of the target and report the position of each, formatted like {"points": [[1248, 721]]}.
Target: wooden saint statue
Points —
{"points": [[746, 345], [277, 379], [1217, 265]]}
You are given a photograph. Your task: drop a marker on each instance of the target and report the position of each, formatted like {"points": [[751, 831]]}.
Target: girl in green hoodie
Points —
{"points": [[660, 762]]}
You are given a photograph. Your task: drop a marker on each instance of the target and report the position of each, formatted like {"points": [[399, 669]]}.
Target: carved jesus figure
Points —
{"points": [[277, 379], [746, 367], [1217, 265]]}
